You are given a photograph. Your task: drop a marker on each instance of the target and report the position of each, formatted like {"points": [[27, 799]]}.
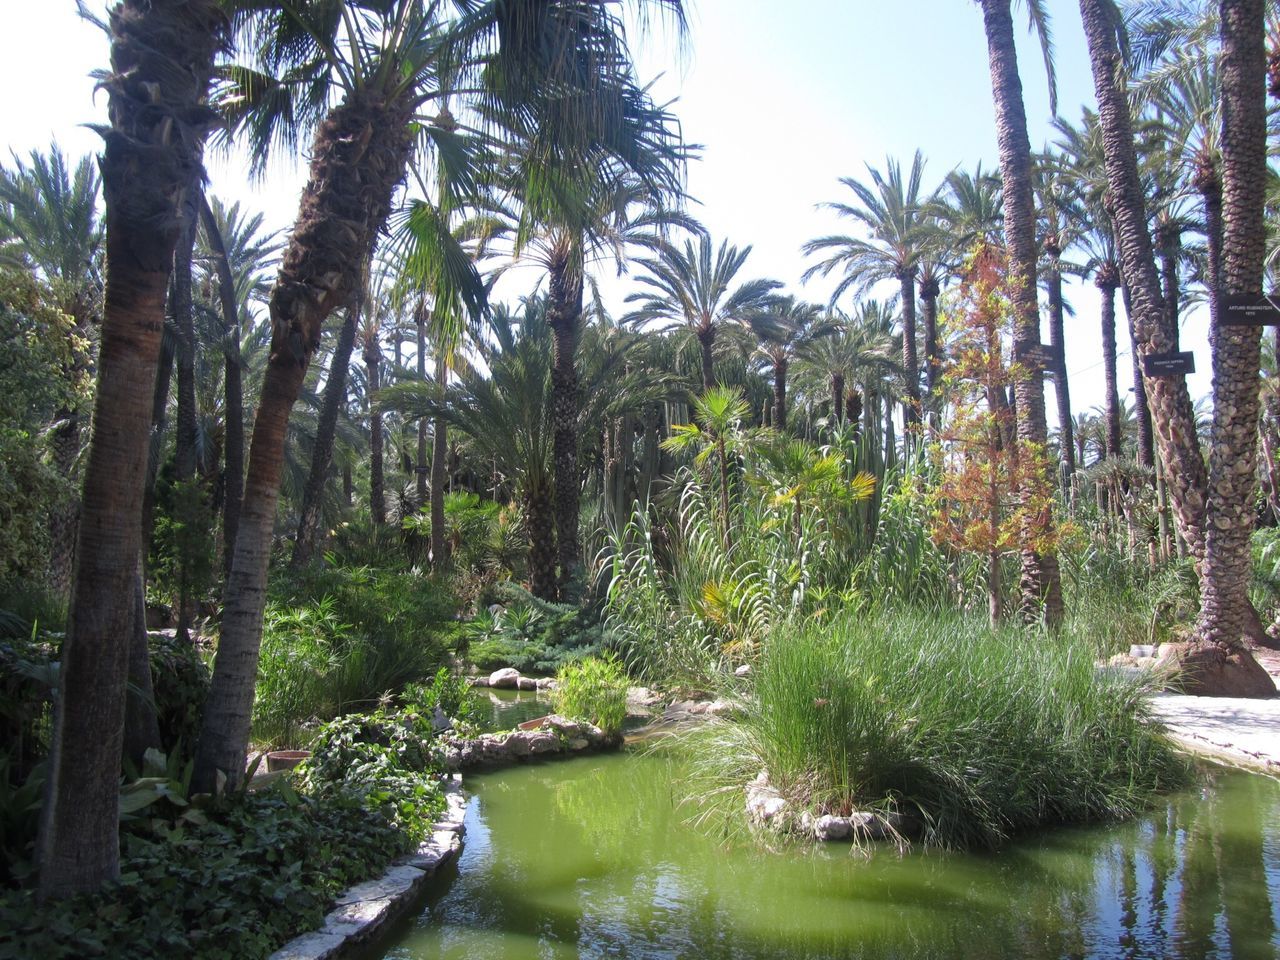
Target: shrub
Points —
{"points": [[180, 684], [974, 733], [530, 634], [594, 689], [447, 691]]}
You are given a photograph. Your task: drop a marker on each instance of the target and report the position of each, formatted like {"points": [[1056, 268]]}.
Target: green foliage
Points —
{"points": [[342, 638], [183, 551], [263, 868], [180, 683], [386, 761], [448, 691], [594, 689], [975, 734], [530, 634]]}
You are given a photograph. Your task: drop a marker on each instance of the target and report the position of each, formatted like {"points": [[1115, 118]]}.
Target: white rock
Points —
{"points": [[1142, 650], [742, 671], [506, 677], [526, 683], [832, 828], [546, 683]]}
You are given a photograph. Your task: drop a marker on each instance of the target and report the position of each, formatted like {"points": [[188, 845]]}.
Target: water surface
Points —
{"points": [[595, 858]]}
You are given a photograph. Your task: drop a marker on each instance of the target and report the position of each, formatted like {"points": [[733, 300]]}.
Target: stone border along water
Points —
{"points": [[363, 911]]}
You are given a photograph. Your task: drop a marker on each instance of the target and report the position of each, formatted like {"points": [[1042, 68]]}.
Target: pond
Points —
{"points": [[502, 709], [595, 858]]}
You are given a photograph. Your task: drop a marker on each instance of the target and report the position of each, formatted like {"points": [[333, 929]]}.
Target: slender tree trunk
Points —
{"points": [[706, 341], [183, 310], [780, 394], [1174, 421], [141, 726], [233, 390], [377, 497], [542, 543], [162, 58], [159, 422], [421, 469], [1220, 665], [1057, 343], [360, 153], [335, 393], [837, 397], [929, 292], [1169, 240], [910, 359], [564, 316], [1141, 407], [1040, 584], [439, 464], [1107, 283]]}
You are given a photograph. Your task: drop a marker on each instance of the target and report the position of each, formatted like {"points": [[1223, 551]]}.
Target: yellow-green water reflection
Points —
{"points": [[593, 858]]}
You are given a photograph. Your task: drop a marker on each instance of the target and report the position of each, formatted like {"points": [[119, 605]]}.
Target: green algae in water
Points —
{"points": [[593, 858], [503, 709]]}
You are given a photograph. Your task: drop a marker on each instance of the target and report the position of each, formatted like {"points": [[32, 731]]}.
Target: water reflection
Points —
{"points": [[593, 859]]}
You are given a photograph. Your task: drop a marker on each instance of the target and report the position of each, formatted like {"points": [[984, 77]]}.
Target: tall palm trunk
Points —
{"points": [[360, 153], [1169, 240], [335, 395], [439, 458], [564, 316], [542, 543], [1170, 401], [233, 390], [1141, 406], [162, 59], [780, 393], [910, 357], [837, 397], [1057, 344], [706, 342], [372, 356], [420, 467], [929, 292], [183, 310], [1222, 666], [1107, 281], [1040, 583]]}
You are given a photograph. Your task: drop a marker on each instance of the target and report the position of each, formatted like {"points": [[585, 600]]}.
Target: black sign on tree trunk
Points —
{"points": [[1250, 310], [1168, 364], [1035, 354]]}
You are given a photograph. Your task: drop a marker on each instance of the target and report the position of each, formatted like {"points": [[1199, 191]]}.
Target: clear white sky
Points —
{"points": [[784, 97]]}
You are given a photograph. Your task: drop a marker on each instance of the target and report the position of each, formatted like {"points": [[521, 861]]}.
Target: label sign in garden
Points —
{"points": [[1039, 354], [1168, 364], [1250, 310]]}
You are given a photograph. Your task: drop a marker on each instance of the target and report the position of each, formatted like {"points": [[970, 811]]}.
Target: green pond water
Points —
{"points": [[595, 857], [502, 709]]}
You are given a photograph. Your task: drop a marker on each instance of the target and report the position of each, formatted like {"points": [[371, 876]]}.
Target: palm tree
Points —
{"points": [[852, 361], [162, 61], [365, 78], [1221, 664], [687, 286], [715, 431], [901, 233], [785, 326], [50, 211], [1040, 581]]}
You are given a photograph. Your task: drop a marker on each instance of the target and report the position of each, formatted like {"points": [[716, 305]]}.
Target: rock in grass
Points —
{"points": [[828, 827]]}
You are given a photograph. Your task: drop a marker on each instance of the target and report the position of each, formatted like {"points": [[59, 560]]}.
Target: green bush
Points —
{"points": [[974, 733], [180, 683], [449, 692], [532, 635], [264, 867], [593, 689]]}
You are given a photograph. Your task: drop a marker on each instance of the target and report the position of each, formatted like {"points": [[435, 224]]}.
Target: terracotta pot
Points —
{"points": [[285, 759]]}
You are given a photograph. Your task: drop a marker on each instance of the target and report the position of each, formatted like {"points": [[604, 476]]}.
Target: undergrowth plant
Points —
{"points": [[594, 689]]}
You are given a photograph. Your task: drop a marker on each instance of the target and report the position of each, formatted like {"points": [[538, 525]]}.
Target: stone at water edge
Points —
{"points": [[526, 683], [1208, 670], [507, 677], [742, 671], [440, 721], [828, 828]]}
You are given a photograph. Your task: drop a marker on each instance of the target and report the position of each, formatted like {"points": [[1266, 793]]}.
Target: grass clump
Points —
{"points": [[594, 689], [972, 733]]}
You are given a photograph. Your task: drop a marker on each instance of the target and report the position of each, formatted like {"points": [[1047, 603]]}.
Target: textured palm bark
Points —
{"points": [[837, 397], [439, 471], [360, 154], [141, 725], [1169, 241], [182, 309], [377, 497], [1174, 422], [161, 63], [1141, 406], [421, 470], [910, 357], [706, 344], [335, 395], [542, 543], [564, 316], [232, 387], [1040, 583], [929, 293], [1218, 664], [1107, 281], [1057, 344], [780, 394]]}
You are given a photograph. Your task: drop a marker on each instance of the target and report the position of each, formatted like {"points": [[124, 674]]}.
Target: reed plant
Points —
{"points": [[968, 733]]}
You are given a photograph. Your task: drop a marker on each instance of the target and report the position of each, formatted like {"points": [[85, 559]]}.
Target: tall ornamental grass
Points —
{"points": [[973, 734]]}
